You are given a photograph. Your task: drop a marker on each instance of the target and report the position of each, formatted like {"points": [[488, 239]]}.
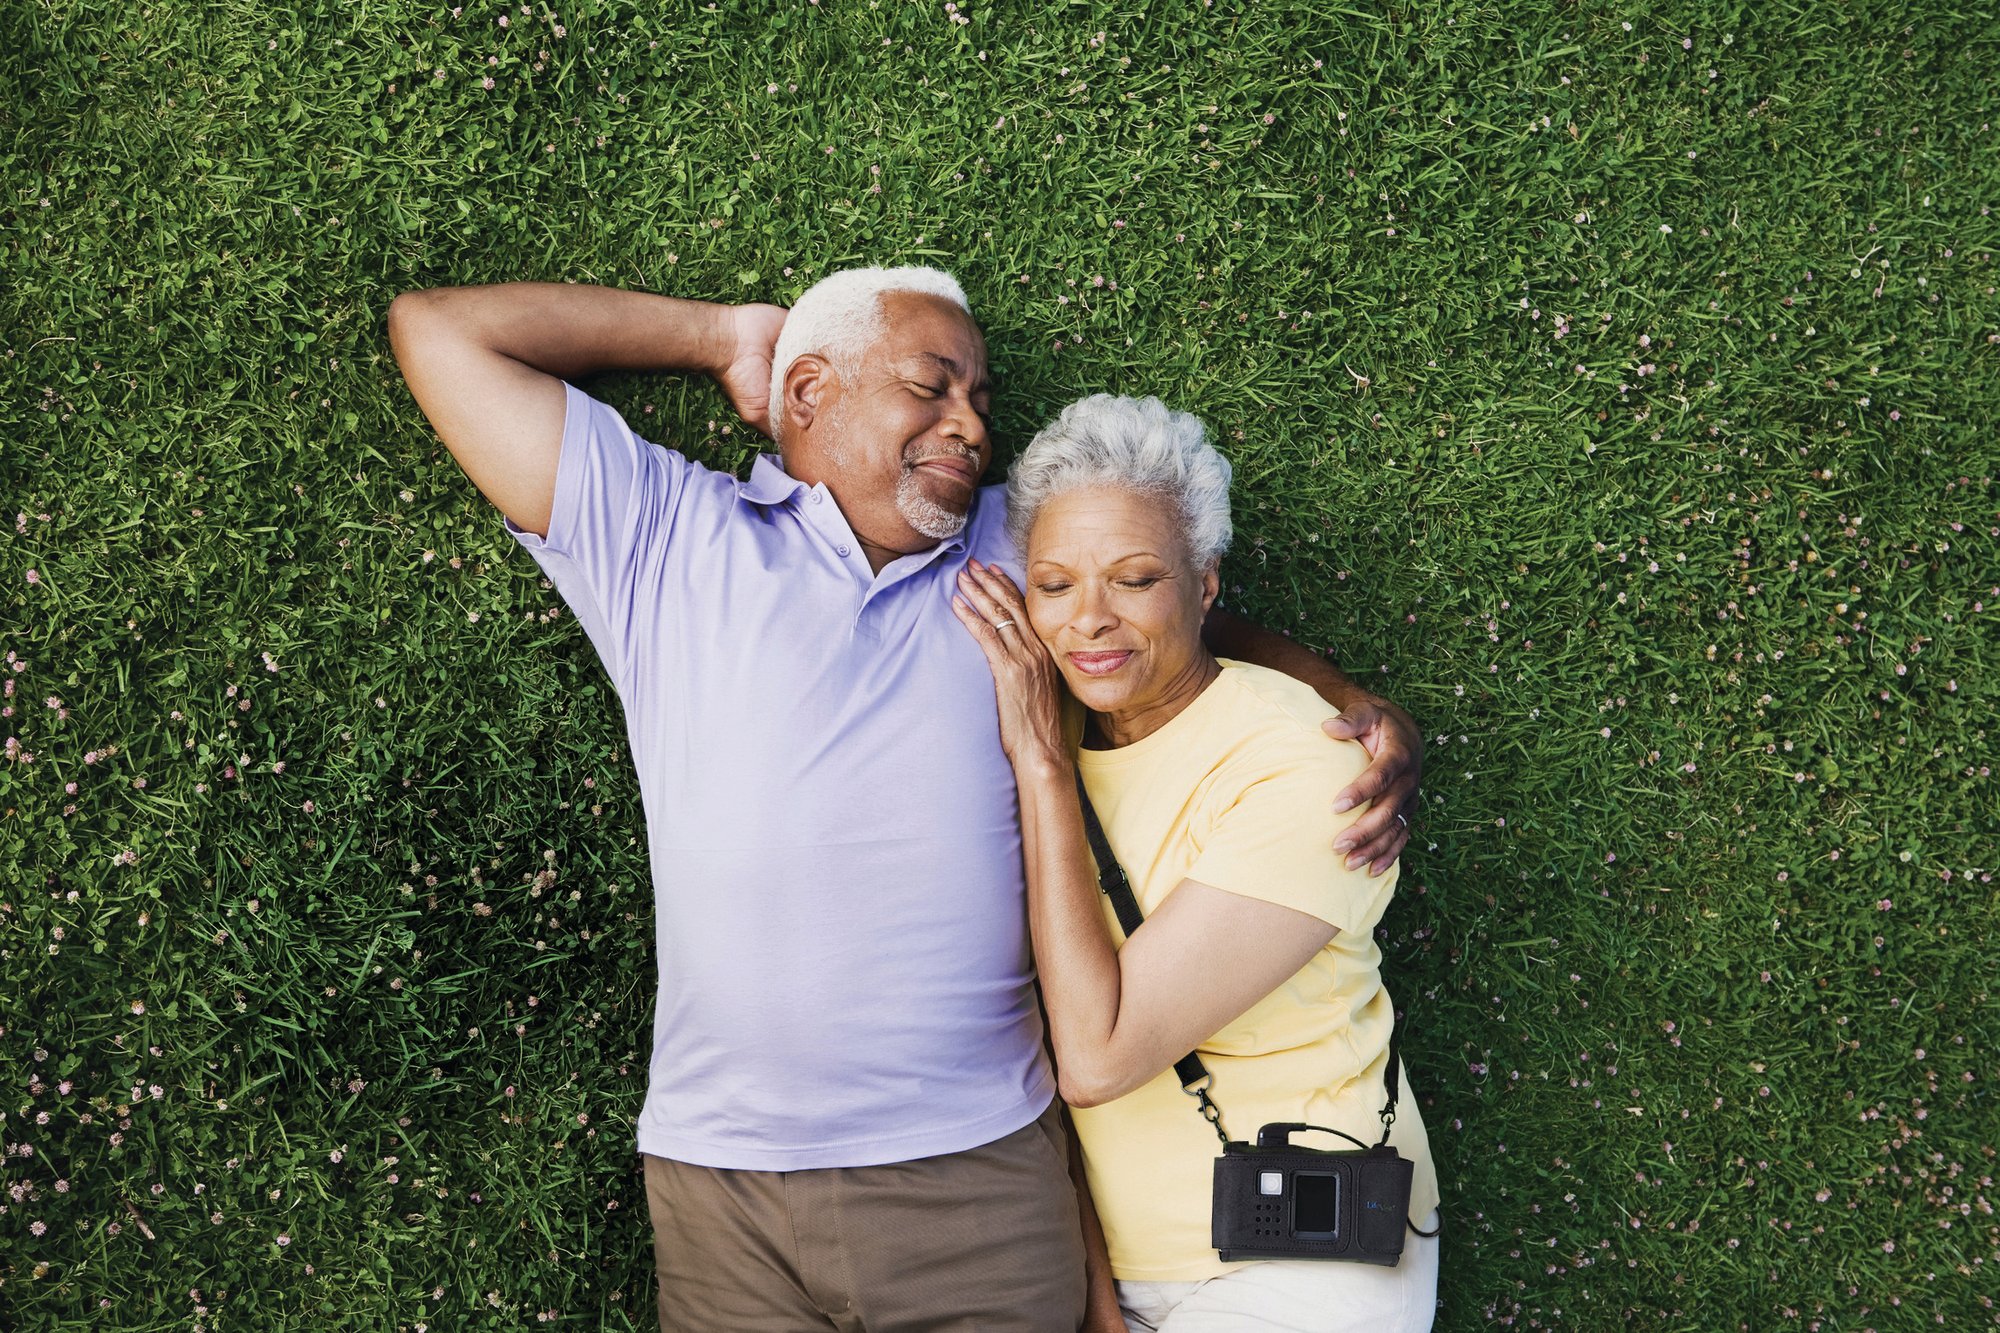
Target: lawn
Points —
{"points": [[1615, 386]]}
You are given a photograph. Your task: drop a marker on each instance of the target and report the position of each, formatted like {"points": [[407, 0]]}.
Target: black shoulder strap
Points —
{"points": [[1192, 1073], [1112, 882]]}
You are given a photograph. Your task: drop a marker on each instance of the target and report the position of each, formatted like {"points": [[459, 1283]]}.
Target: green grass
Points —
{"points": [[1699, 919]]}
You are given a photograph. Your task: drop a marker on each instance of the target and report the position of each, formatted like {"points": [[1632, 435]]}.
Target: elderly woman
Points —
{"points": [[1215, 785]]}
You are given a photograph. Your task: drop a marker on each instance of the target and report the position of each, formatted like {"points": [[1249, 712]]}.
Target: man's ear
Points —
{"points": [[1211, 585], [807, 382]]}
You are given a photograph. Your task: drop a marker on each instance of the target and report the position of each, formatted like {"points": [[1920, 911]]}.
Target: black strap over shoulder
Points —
{"points": [[1112, 883], [1193, 1074]]}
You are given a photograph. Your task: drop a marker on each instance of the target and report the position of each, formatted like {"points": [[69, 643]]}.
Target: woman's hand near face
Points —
{"points": [[1026, 683]]}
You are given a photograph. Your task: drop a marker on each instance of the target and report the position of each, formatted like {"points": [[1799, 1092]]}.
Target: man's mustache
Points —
{"points": [[961, 451]]}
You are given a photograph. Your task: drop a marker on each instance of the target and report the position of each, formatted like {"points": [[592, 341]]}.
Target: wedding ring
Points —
{"points": [[1002, 624], [1399, 815]]}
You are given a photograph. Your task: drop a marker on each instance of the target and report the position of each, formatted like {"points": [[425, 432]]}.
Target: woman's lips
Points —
{"points": [[1099, 664]]}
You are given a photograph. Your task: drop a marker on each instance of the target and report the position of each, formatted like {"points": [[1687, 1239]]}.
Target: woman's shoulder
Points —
{"points": [[1268, 824], [1274, 723]]}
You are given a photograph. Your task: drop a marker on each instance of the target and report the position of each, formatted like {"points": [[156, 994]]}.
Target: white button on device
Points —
{"points": [[1271, 1182]]}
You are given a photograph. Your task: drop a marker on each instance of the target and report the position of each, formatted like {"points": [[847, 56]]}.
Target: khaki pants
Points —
{"points": [[986, 1239]]}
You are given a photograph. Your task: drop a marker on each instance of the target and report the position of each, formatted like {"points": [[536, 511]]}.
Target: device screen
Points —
{"points": [[1316, 1204]]}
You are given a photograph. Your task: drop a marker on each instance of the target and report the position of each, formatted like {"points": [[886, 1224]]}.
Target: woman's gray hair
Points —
{"points": [[1136, 443]]}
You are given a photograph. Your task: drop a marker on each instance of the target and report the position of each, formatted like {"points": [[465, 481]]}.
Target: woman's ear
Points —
{"points": [[807, 381], [1211, 585]]}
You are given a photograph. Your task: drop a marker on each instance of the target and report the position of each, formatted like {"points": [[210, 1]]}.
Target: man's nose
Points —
{"points": [[964, 423]]}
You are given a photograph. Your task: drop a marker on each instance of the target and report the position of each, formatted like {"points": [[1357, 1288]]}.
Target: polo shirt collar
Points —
{"points": [[769, 483]]}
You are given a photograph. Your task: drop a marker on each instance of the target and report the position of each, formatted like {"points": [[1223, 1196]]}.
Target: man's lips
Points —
{"points": [[1101, 663], [961, 470]]}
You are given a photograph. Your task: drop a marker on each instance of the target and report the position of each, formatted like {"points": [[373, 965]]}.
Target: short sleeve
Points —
{"points": [[1273, 841], [617, 502], [992, 543]]}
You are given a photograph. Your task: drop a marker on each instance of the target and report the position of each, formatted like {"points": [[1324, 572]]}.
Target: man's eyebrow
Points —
{"points": [[951, 367]]}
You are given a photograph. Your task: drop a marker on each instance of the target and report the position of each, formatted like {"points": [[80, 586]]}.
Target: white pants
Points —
{"points": [[1295, 1296]]}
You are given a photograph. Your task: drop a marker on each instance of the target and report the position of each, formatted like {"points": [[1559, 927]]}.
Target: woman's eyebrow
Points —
{"points": [[1108, 564]]}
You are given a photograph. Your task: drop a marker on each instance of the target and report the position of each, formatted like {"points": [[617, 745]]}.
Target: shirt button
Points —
{"points": [[818, 496], [842, 550]]}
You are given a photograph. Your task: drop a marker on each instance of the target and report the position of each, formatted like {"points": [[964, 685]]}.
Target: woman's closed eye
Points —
{"points": [[1135, 584]]}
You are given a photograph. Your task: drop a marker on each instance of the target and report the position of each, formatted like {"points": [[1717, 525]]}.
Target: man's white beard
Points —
{"points": [[924, 514]]}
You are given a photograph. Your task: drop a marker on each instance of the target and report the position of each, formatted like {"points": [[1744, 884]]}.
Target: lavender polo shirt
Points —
{"points": [[845, 976]]}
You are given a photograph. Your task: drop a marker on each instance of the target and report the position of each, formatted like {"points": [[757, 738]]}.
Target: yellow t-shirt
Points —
{"points": [[1237, 792]]}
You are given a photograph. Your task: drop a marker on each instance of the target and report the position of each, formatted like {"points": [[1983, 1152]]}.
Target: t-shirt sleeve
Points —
{"points": [[1273, 839], [617, 502]]}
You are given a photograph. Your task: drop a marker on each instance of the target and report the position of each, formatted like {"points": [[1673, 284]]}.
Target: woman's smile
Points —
{"points": [[1100, 663]]}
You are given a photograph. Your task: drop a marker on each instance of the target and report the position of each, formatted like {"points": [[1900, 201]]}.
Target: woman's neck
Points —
{"points": [[1126, 725]]}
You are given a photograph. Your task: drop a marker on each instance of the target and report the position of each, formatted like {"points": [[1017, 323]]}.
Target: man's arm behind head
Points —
{"points": [[487, 365]]}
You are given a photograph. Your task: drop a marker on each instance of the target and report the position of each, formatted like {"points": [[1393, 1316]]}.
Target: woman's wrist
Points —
{"points": [[1044, 764]]}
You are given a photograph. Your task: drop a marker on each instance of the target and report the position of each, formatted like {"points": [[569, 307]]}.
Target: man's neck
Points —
{"points": [[879, 557]]}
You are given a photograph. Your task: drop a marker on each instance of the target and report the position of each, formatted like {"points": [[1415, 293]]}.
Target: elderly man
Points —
{"points": [[850, 1119]]}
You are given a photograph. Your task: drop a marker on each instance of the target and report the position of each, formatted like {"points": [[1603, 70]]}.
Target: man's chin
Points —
{"points": [[935, 509]]}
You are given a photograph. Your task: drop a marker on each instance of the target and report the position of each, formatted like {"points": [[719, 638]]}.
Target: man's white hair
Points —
{"points": [[1139, 444], [841, 314]]}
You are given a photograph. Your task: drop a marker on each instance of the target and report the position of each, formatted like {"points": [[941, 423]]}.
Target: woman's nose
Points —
{"points": [[1093, 612]]}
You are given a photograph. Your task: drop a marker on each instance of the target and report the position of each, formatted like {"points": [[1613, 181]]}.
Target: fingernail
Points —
{"points": [[1342, 804], [1353, 862]]}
